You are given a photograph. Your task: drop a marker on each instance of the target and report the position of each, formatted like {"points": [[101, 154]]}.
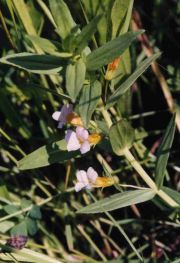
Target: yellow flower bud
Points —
{"points": [[111, 68], [74, 120]]}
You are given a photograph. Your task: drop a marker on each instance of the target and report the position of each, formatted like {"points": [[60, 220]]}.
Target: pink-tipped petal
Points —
{"points": [[56, 115], [85, 147], [92, 174], [78, 187], [82, 177], [72, 141]]}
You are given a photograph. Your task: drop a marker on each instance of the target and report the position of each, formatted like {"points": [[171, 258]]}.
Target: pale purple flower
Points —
{"points": [[85, 179], [61, 116], [77, 140]]}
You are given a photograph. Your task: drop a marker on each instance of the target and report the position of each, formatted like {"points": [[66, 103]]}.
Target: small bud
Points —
{"points": [[112, 68], [74, 120]]}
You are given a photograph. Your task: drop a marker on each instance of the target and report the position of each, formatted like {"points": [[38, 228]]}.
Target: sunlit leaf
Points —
{"points": [[88, 101], [75, 76], [111, 50], [119, 200], [46, 155], [40, 64], [121, 136], [62, 17]]}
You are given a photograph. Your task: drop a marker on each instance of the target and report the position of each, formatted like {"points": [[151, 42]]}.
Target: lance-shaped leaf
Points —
{"points": [[46, 155], [163, 152], [172, 193], [75, 76], [62, 17], [111, 50], [130, 80], [88, 101], [119, 200], [86, 34], [40, 64], [121, 136]]}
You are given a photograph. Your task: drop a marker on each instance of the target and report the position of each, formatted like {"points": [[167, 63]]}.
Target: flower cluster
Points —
{"points": [[80, 139]]}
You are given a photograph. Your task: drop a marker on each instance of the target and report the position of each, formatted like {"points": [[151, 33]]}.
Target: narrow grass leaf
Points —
{"points": [[62, 17], [46, 155], [130, 80], [172, 193], [75, 76], [111, 50], [40, 64], [163, 152], [88, 101], [119, 200], [121, 136]]}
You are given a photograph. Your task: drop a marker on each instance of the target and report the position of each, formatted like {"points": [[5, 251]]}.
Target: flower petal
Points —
{"points": [[72, 141], [61, 124], [92, 175], [85, 147], [78, 186], [82, 177], [79, 130], [82, 133], [56, 115]]}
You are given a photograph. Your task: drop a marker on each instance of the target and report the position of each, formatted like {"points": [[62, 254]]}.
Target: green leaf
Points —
{"points": [[130, 80], [46, 155], [10, 209], [5, 226], [4, 194], [25, 203], [118, 12], [86, 34], [97, 7], [45, 44], [111, 50], [88, 101], [35, 212], [172, 193], [31, 226], [122, 136], [119, 200], [40, 64], [75, 76], [19, 229], [62, 17], [163, 152]]}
